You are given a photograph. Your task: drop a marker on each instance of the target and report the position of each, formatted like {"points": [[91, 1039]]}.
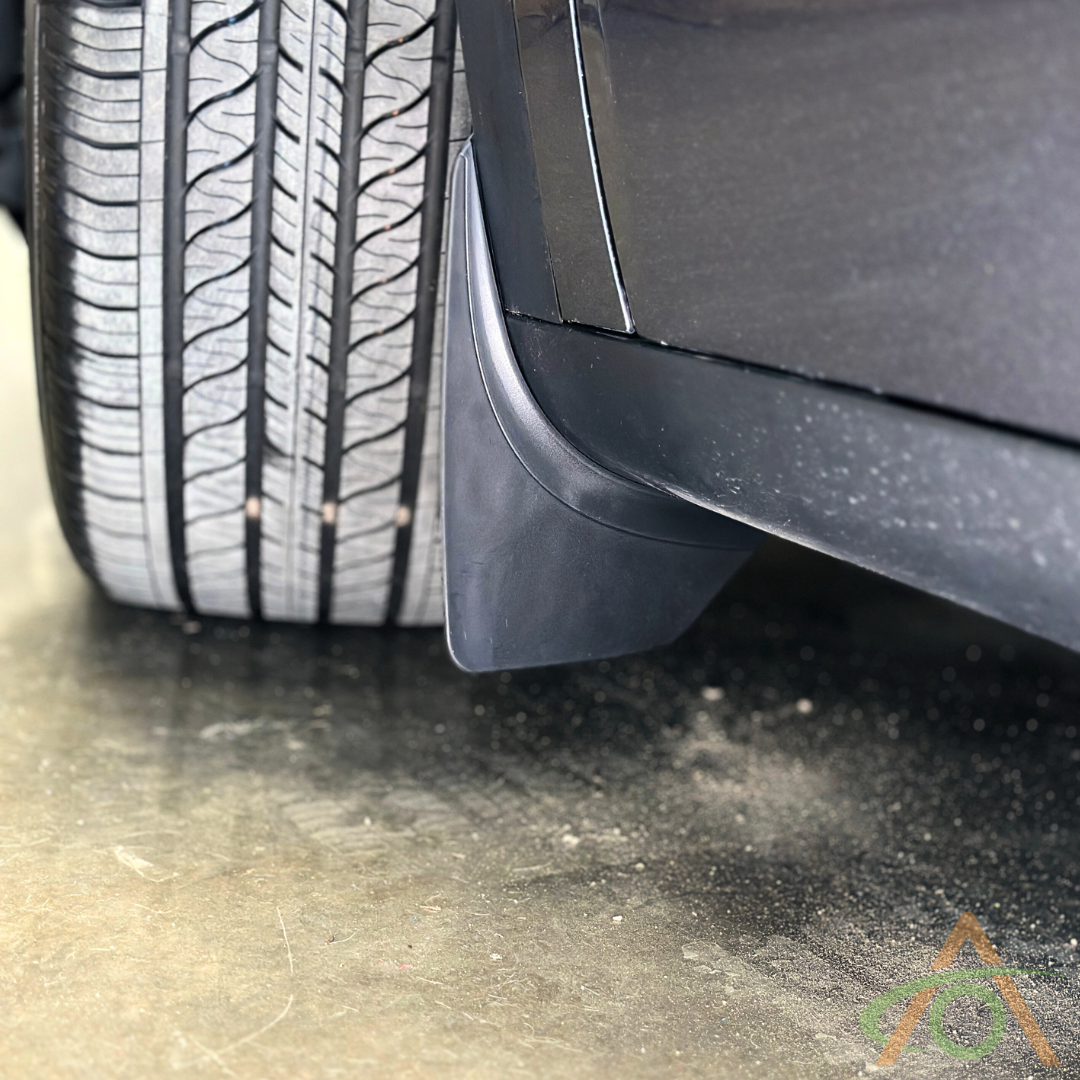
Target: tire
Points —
{"points": [[12, 194], [237, 241]]}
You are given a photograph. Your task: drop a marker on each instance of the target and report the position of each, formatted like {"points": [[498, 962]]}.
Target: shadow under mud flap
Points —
{"points": [[549, 557]]}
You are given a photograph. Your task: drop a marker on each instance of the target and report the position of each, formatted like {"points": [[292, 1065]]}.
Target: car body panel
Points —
{"points": [[882, 193], [983, 516], [502, 143], [575, 215]]}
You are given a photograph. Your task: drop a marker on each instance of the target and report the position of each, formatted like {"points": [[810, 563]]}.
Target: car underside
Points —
{"points": [[690, 273]]}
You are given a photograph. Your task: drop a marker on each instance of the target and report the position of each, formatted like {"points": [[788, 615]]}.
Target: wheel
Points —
{"points": [[236, 233]]}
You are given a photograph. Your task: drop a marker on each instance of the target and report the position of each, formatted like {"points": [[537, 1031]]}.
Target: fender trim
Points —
{"points": [[549, 557]]}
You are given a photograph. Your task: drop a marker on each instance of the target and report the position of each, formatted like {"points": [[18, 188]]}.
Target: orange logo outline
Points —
{"points": [[967, 929]]}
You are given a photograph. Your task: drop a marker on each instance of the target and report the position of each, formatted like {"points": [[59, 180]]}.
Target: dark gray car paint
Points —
{"points": [[978, 514], [885, 193]]}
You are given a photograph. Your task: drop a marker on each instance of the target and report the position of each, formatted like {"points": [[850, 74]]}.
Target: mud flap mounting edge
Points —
{"points": [[548, 557]]}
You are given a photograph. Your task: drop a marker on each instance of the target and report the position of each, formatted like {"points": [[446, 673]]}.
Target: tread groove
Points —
{"points": [[236, 261], [173, 244], [344, 244], [431, 229], [266, 126]]}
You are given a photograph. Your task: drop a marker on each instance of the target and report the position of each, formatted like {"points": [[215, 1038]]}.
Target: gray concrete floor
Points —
{"points": [[264, 851]]}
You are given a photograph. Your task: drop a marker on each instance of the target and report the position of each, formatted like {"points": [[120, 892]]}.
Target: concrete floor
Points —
{"points": [[262, 851]]}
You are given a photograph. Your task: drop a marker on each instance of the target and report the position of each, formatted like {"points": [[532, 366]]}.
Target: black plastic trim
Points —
{"points": [[504, 158], [549, 558], [550, 459], [572, 202], [979, 514]]}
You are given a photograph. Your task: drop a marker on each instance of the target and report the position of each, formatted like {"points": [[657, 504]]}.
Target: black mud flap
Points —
{"points": [[549, 557]]}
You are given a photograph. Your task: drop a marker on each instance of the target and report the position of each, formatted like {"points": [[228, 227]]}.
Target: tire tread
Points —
{"points": [[227, 285]]}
